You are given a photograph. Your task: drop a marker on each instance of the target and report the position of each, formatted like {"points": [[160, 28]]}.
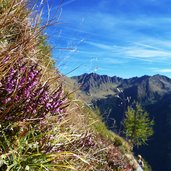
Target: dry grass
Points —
{"points": [[74, 140]]}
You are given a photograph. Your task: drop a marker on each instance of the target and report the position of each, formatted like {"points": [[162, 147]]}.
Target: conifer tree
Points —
{"points": [[137, 125]]}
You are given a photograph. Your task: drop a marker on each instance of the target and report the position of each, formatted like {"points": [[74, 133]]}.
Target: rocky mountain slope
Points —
{"points": [[112, 95]]}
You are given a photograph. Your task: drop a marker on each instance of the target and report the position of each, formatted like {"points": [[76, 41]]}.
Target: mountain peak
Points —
{"points": [[158, 76], [91, 83], [144, 87]]}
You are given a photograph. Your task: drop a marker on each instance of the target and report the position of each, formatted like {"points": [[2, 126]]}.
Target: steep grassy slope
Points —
{"points": [[43, 127]]}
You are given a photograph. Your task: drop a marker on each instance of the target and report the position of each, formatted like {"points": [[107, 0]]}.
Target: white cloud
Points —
{"points": [[138, 52], [68, 2], [100, 45], [164, 70], [149, 52], [123, 34]]}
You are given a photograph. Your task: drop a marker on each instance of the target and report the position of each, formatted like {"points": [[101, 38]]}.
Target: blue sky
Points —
{"points": [[115, 37]]}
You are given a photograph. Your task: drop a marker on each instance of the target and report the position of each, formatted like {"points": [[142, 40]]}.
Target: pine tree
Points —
{"points": [[137, 125]]}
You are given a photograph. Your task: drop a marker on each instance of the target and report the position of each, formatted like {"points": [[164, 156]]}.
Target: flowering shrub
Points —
{"points": [[22, 96]]}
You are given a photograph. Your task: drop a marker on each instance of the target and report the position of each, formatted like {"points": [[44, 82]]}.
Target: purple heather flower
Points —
{"points": [[22, 91], [6, 59]]}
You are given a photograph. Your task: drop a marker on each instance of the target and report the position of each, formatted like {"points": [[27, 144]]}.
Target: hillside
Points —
{"points": [[44, 125], [112, 95]]}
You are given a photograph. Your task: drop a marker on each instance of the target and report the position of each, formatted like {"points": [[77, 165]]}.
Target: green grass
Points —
{"points": [[74, 140]]}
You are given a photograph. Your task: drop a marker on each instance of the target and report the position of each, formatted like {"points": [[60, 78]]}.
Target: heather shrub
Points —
{"points": [[27, 99], [23, 96]]}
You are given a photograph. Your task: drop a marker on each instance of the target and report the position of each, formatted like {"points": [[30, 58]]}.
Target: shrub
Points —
{"points": [[22, 96]]}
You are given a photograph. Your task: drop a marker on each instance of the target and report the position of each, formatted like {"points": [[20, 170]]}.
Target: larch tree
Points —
{"points": [[137, 125]]}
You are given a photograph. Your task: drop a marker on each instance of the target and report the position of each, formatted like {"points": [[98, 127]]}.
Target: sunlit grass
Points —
{"points": [[42, 126]]}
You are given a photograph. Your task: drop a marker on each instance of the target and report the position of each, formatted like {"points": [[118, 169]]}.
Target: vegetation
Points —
{"points": [[42, 126], [138, 126]]}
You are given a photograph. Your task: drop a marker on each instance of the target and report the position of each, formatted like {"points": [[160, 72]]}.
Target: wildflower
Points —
{"points": [[36, 145], [27, 168], [22, 94]]}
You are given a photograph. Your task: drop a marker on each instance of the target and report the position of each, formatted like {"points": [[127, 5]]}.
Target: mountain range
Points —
{"points": [[112, 96]]}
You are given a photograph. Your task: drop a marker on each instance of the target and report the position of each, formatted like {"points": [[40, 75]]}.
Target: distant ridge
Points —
{"points": [[152, 92], [90, 81], [144, 87]]}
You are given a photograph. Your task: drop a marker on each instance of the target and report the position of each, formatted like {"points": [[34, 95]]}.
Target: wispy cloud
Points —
{"points": [[168, 70], [118, 34], [103, 21], [67, 2], [99, 45], [147, 52], [143, 53]]}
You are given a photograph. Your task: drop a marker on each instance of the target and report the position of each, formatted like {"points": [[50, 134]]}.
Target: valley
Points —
{"points": [[112, 96]]}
